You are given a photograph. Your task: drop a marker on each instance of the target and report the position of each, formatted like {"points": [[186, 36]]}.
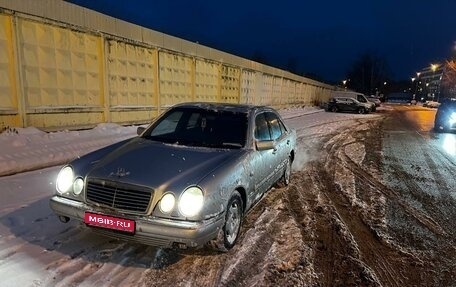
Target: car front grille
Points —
{"points": [[117, 195]]}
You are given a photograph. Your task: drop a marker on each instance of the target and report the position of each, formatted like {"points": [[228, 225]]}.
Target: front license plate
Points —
{"points": [[109, 222]]}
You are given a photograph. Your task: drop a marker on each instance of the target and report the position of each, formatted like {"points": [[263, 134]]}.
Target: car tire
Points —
{"points": [[361, 111], [228, 235], [334, 109]]}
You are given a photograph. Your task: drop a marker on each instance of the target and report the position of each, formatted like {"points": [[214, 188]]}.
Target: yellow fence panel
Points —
{"points": [[206, 81], [276, 92], [131, 75], [6, 62], [131, 80], [175, 79], [61, 66], [61, 74], [266, 90], [298, 94], [248, 87], [9, 114], [288, 93], [230, 84]]}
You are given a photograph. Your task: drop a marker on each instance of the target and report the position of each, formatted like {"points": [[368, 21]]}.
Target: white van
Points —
{"points": [[355, 95]]}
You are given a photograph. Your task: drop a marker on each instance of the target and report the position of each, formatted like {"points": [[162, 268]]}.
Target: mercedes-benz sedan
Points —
{"points": [[186, 181]]}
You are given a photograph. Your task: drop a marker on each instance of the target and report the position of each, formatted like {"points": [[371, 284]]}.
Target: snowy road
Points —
{"points": [[355, 214]]}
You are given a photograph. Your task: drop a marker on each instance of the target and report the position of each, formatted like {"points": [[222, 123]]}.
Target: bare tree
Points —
{"points": [[448, 83], [368, 73]]}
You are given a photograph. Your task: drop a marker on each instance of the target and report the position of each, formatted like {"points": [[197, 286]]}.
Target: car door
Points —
{"points": [[282, 145], [342, 104], [351, 105], [261, 163]]}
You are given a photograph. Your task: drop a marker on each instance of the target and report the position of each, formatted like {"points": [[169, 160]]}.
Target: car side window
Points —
{"points": [[261, 128], [361, 99], [274, 125]]}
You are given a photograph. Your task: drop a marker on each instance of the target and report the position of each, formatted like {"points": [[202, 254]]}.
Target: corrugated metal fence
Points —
{"points": [[58, 74]]}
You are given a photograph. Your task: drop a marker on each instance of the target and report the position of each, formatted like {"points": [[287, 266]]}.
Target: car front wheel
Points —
{"points": [[361, 111], [229, 234]]}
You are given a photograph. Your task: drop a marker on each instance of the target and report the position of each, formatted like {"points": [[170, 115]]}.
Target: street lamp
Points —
{"points": [[434, 85], [344, 82], [414, 87]]}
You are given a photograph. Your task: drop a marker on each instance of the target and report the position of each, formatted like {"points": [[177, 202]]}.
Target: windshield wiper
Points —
{"points": [[233, 145]]}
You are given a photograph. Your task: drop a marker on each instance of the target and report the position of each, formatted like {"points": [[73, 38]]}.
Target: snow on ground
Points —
{"points": [[25, 149]]}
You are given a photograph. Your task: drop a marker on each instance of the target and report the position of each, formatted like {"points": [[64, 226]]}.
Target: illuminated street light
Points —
{"points": [[413, 79]]}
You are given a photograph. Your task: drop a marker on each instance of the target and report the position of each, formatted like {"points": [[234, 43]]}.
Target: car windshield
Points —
{"points": [[200, 127]]}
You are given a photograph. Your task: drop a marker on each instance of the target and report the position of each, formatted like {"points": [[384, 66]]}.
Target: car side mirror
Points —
{"points": [[265, 145], [140, 130]]}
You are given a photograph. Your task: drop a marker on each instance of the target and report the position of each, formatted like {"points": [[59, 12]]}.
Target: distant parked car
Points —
{"points": [[185, 181], [346, 104], [431, 104], [445, 118], [375, 100], [357, 96]]}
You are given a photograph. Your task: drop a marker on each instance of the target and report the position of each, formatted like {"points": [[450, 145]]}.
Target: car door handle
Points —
{"points": [[274, 150], [288, 142]]}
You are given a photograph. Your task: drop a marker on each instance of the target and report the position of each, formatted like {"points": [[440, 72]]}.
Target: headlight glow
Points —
{"points": [[452, 119], [65, 179], [167, 203], [78, 185], [191, 201]]}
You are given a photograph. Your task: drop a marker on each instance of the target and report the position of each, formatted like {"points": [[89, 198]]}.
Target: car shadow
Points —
{"points": [[38, 226]]}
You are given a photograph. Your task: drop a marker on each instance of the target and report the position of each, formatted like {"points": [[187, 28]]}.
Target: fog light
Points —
{"points": [[78, 186], [167, 203]]}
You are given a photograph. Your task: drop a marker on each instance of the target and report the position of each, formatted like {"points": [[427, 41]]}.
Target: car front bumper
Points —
{"points": [[149, 230]]}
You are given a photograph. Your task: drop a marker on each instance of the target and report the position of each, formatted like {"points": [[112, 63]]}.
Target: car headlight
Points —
{"points": [[452, 119], [167, 203], [191, 201], [65, 179], [78, 185]]}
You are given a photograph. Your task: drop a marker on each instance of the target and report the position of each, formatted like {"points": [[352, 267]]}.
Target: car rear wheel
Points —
{"points": [[229, 234], [334, 109]]}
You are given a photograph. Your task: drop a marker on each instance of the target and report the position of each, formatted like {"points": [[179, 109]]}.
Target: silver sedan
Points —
{"points": [[185, 182]]}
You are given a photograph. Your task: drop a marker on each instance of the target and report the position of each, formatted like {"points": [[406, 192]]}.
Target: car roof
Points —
{"points": [[242, 108], [449, 102], [344, 98]]}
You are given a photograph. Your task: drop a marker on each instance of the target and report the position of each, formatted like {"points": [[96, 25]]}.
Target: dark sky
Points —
{"points": [[320, 37]]}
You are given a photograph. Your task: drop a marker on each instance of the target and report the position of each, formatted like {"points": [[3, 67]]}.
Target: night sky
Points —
{"points": [[321, 37]]}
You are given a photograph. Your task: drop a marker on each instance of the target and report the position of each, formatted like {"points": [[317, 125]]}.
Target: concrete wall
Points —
{"points": [[64, 66]]}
